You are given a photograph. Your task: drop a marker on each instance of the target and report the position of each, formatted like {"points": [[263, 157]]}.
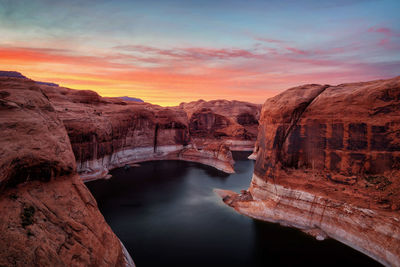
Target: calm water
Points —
{"points": [[166, 214]]}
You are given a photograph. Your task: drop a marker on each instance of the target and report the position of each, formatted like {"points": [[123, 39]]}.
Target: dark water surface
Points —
{"points": [[166, 214]]}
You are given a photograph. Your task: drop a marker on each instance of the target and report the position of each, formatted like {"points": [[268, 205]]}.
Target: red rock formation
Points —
{"points": [[48, 217], [233, 123], [328, 163], [106, 133]]}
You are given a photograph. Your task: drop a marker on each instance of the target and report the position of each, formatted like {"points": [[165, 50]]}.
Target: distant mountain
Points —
{"points": [[127, 98], [16, 74], [48, 84], [11, 74]]}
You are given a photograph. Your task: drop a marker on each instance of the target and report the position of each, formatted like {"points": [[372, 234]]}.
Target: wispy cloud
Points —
{"points": [[167, 53], [296, 51], [159, 74], [191, 53], [269, 40], [388, 34], [49, 55], [383, 30]]}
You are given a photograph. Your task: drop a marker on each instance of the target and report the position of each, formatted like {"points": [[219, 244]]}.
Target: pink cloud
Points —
{"points": [[246, 73], [384, 41], [218, 53], [383, 30], [296, 51], [191, 53], [268, 40], [388, 33]]}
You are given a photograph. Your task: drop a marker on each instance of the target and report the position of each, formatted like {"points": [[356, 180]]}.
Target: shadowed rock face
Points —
{"points": [[351, 130], [234, 123], [328, 163], [246, 119], [48, 217], [204, 123], [104, 130]]}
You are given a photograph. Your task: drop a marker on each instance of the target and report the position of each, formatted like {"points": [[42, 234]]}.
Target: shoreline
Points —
{"points": [[127, 257], [371, 232], [99, 168]]}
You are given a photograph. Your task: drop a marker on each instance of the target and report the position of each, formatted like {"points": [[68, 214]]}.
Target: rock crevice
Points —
{"points": [[283, 132]]}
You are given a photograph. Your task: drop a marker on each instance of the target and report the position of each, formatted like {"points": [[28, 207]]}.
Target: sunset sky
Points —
{"points": [[167, 52]]}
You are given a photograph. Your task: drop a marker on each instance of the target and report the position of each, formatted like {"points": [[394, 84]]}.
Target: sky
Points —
{"points": [[167, 52]]}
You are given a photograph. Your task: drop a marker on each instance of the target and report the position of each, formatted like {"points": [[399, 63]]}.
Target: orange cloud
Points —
{"points": [[170, 76]]}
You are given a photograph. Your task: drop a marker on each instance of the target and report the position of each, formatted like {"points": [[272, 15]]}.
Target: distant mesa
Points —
{"points": [[16, 74], [127, 98], [11, 74], [48, 84]]}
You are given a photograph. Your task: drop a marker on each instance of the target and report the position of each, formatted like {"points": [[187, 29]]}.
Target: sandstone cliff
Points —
{"points": [[53, 136], [106, 133], [328, 162], [233, 123], [48, 216]]}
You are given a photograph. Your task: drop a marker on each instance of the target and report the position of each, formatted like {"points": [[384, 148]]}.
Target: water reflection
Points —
{"points": [[167, 214]]}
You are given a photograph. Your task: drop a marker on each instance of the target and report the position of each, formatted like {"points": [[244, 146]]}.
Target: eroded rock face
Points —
{"points": [[48, 217], [36, 146], [233, 123], [350, 129], [328, 163], [106, 133]]}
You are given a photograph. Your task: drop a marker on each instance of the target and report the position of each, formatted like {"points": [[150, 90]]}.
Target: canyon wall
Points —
{"points": [[233, 123], [107, 133], [328, 162], [48, 216], [52, 137]]}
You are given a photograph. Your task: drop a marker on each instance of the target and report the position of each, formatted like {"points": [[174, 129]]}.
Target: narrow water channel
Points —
{"points": [[166, 214]]}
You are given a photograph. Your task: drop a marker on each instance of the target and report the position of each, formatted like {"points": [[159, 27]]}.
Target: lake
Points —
{"points": [[166, 214]]}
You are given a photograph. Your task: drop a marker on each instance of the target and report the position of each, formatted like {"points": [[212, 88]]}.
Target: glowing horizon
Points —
{"points": [[168, 52]]}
